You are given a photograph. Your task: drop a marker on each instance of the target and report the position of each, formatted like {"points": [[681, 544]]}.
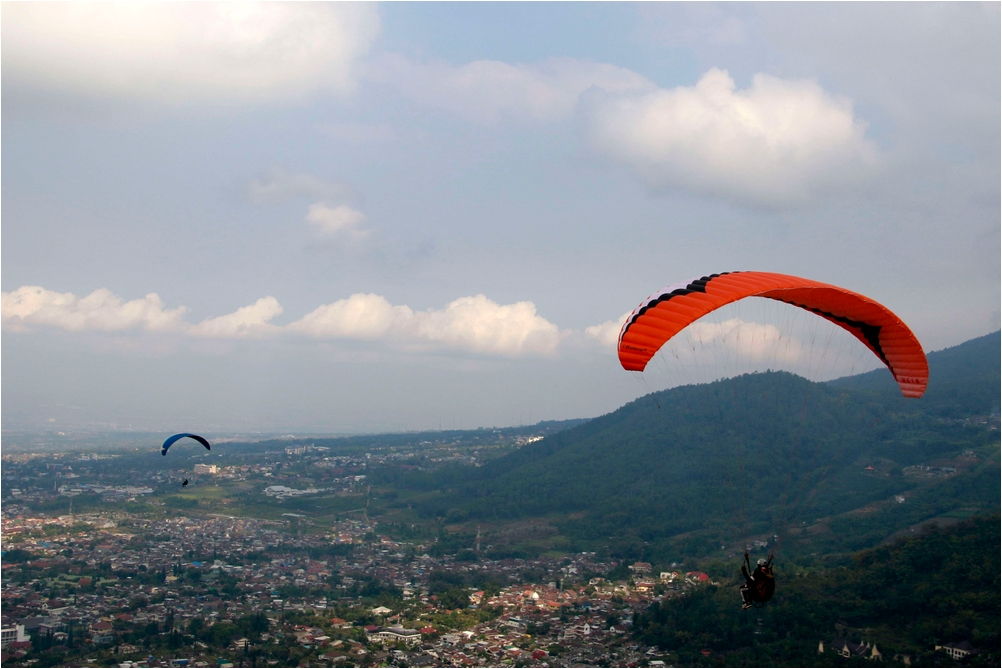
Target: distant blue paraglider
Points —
{"points": [[172, 439]]}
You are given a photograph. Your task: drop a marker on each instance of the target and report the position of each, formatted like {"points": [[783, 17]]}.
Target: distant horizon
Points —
{"points": [[236, 434]]}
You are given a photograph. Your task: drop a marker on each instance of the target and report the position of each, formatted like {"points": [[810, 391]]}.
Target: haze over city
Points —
{"points": [[357, 217]]}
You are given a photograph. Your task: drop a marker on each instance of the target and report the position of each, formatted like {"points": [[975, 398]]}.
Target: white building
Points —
{"points": [[957, 651], [10, 634], [396, 635]]}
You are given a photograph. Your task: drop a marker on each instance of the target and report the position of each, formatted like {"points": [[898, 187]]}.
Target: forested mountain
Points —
{"points": [[827, 467], [964, 379]]}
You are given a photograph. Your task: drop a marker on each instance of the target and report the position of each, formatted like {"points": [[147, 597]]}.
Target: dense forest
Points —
{"points": [[939, 587], [823, 467]]}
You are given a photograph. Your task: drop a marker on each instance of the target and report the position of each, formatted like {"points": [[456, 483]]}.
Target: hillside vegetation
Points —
{"points": [[939, 587], [822, 467]]}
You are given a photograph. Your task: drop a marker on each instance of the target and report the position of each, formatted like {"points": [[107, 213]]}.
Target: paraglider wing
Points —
{"points": [[170, 440], [662, 315]]}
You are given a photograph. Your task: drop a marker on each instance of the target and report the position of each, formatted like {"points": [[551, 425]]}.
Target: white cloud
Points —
{"points": [[180, 53], [339, 220], [100, 310], [776, 143], [704, 340], [361, 316], [481, 325], [246, 322], [747, 339], [607, 333], [475, 324], [472, 324], [488, 90]]}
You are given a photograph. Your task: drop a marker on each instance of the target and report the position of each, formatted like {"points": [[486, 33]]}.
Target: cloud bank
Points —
{"points": [[475, 324], [472, 324], [252, 321], [101, 310], [745, 339]]}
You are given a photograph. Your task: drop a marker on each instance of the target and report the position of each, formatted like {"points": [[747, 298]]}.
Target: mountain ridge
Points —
{"points": [[689, 469]]}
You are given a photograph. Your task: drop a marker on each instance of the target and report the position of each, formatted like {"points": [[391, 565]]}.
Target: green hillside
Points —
{"points": [[963, 379], [939, 587], [685, 472]]}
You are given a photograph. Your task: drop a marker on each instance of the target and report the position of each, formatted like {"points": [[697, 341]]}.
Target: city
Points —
{"points": [[110, 583], [127, 581]]}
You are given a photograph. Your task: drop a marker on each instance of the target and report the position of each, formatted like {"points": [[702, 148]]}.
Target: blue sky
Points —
{"points": [[364, 217]]}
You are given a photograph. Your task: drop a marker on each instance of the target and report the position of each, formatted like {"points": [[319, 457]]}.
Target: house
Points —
{"points": [[846, 648], [386, 635], [13, 635], [697, 577], [645, 586], [958, 651], [334, 657], [101, 632], [578, 630]]}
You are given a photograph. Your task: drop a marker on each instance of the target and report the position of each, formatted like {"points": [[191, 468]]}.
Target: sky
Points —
{"points": [[340, 217]]}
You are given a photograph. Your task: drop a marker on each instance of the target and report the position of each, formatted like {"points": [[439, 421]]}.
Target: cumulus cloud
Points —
{"points": [[181, 53], [361, 316], [776, 143], [329, 216], [472, 324], [476, 324], [250, 321], [747, 339], [479, 324], [336, 221], [607, 333], [100, 310], [489, 90]]}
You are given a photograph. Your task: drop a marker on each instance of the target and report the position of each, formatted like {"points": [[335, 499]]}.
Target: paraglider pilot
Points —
{"points": [[759, 584]]}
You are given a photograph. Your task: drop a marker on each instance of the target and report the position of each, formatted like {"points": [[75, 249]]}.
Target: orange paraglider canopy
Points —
{"points": [[662, 315]]}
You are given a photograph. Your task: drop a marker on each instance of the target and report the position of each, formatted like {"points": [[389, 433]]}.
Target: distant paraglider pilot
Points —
{"points": [[759, 584]]}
